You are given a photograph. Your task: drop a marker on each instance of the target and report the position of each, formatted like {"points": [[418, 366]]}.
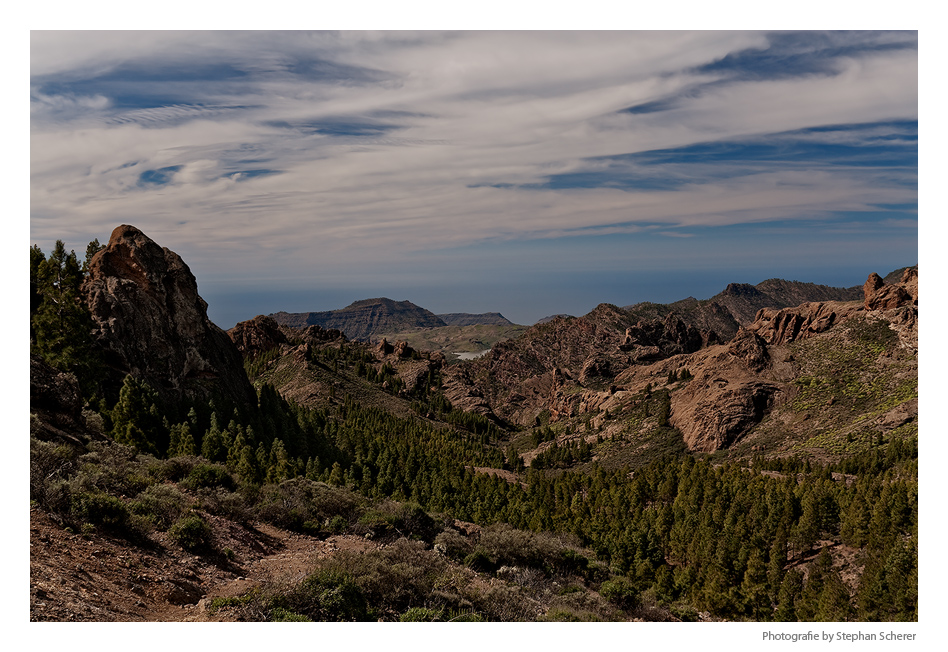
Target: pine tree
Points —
{"points": [[790, 590], [61, 325]]}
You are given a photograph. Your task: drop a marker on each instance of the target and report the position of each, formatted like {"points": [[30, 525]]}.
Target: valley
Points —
{"points": [[752, 456]]}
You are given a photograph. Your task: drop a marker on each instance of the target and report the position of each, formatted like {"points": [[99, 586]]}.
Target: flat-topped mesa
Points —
{"points": [[152, 323]]}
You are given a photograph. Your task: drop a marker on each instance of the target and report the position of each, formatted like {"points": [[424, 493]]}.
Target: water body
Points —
{"points": [[471, 356]]}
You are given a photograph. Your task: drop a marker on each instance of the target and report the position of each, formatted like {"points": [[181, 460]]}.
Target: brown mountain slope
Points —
{"points": [[821, 377]]}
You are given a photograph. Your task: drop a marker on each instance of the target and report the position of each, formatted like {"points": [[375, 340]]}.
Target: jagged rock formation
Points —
{"points": [[152, 323], [655, 340], [806, 320], [318, 334], [789, 324], [468, 319], [256, 336], [738, 304], [363, 319], [879, 296]]}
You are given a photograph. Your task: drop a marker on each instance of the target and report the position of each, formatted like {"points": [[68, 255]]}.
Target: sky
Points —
{"points": [[528, 173]]}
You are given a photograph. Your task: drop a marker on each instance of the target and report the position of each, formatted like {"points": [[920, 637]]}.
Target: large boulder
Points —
{"points": [[879, 296], [257, 335], [153, 325]]}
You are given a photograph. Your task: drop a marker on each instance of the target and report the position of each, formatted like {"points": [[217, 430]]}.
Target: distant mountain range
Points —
{"points": [[737, 305], [723, 313], [364, 320]]}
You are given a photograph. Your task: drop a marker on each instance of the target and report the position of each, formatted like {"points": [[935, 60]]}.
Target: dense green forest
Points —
{"points": [[683, 533]]}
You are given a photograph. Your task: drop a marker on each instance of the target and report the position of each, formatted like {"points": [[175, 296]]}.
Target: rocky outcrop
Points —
{"points": [[750, 348], [256, 336], [738, 304], [596, 369], [788, 324], [320, 335], [652, 340], [724, 412], [403, 350], [879, 296], [152, 324]]}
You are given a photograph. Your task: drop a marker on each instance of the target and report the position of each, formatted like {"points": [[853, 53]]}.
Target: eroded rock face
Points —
{"points": [[318, 334], [152, 323], [788, 324], [879, 296], [725, 412], [750, 348], [257, 335], [655, 340]]}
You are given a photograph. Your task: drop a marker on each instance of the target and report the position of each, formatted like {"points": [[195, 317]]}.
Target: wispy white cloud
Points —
{"points": [[334, 148]]}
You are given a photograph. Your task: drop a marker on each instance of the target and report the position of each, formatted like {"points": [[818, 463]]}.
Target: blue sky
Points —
{"points": [[529, 173]]}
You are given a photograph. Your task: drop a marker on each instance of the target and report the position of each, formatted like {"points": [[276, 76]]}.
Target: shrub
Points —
{"points": [[112, 468], [230, 504], [620, 592], [174, 468], [326, 595], [507, 546], [393, 578], [281, 615], [568, 615], [392, 519], [191, 532], [161, 504], [101, 509], [453, 544], [480, 562], [50, 466], [209, 475], [300, 504], [421, 615]]}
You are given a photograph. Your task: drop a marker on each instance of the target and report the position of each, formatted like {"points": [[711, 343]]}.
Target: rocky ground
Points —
{"points": [[95, 577]]}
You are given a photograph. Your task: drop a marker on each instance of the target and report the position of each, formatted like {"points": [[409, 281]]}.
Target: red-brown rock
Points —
{"points": [[257, 335], [152, 323]]}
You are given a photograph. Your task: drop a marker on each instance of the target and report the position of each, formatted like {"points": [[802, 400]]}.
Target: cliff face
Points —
{"points": [[152, 323]]}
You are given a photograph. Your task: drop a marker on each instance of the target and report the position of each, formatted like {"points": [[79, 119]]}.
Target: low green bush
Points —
{"points": [[209, 475], [160, 504], [326, 595], [280, 615], [101, 509], [620, 592], [192, 533], [421, 615]]}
